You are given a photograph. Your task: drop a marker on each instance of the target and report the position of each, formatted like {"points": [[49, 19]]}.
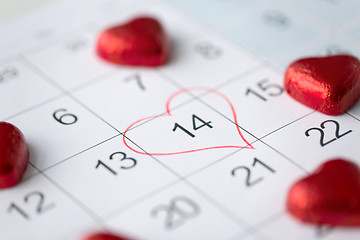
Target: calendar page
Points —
{"points": [[203, 147]]}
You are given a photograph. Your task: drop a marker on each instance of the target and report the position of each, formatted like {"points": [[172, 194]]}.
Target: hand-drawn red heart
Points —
{"points": [[330, 85], [140, 42], [104, 236], [331, 195], [168, 114], [14, 155]]}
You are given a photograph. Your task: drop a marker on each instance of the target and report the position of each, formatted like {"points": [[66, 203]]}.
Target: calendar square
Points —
{"points": [[288, 226], [37, 207], [352, 29], [210, 11], [73, 60], [259, 100], [323, 138], [332, 12], [129, 91], [192, 127], [109, 177], [207, 59], [176, 213], [15, 81], [355, 110], [29, 172], [270, 30], [246, 175], [69, 130], [325, 46], [203, 147]]}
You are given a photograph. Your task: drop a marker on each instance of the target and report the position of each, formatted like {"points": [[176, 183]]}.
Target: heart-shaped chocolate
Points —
{"points": [[140, 42], [330, 195], [330, 85], [104, 236], [14, 155]]}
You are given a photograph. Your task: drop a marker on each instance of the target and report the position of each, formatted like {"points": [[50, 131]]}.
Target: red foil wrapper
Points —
{"points": [[330, 85], [104, 236], [14, 155], [140, 42], [331, 195]]}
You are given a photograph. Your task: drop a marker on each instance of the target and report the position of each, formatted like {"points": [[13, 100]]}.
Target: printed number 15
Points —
{"points": [[271, 89]]}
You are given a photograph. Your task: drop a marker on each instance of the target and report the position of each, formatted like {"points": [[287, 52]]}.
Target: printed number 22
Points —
{"points": [[338, 135]]}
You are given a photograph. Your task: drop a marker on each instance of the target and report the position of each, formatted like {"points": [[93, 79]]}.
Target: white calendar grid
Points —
{"points": [[73, 109]]}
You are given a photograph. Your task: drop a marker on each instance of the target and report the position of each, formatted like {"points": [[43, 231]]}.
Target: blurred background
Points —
{"points": [[13, 8]]}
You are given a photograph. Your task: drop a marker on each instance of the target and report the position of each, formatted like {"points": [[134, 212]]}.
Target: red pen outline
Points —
{"points": [[168, 114]]}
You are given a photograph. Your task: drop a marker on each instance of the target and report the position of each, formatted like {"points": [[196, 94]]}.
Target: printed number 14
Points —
{"points": [[195, 122]]}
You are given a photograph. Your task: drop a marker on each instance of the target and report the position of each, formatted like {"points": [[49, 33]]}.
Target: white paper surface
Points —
{"points": [[223, 86]]}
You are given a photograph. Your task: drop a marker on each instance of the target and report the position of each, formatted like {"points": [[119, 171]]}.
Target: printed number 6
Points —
{"points": [[66, 119]]}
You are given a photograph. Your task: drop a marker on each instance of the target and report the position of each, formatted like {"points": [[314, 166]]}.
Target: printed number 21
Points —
{"points": [[248, 181], [195, 121]]}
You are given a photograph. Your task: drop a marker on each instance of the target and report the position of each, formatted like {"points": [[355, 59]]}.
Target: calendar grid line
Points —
{"points": [[189, 175], [32, 175], [352, 115], [346, 35], [56, 39], [257, 138], [92, 81], [159, 162], [42, 74], [260, 138], [153, 157], [184, 180], [221, 194], [289, 123], [253, 142], [120, 210], [66, 93], [49, 100], [260, 225], [90, 213], [82, 151], [329, 30], [235, 218], [84, 208], [245, 74], [220, 113], [46, 43], [198, 98], [10, 58], [162, 114], [301, 11], [238, 43], [61, 95], [286, 157]]}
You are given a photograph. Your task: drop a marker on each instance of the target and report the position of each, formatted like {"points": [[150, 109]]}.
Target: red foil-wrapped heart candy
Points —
{"points": [[140, 42], [14, 155], [104, 236], [330, 195], [330, 85]]}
